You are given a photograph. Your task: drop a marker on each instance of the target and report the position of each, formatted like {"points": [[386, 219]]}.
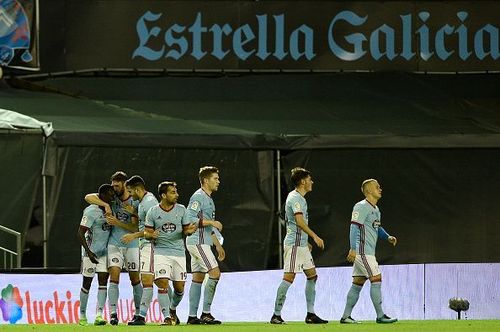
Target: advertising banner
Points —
{"points": [[19, 34], [413, 291], [284, 35]]}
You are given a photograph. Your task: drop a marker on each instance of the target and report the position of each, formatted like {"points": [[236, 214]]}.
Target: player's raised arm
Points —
{"points": [[131, 227], [94, 199], [127, 238]]}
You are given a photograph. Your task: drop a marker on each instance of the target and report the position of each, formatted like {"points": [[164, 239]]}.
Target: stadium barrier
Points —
{"points": [[413, 291]]}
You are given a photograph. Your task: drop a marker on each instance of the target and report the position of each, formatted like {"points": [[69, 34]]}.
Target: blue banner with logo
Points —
{"points": [[19, 34], [313, 35]]}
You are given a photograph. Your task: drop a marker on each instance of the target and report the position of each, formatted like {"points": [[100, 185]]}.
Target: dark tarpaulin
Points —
{"points": [[431, 134], [244, 201], [21, 155], [439, 203], [287, 111]]}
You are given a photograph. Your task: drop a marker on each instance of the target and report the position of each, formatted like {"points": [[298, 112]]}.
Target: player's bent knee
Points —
{"points": [[179, 286], [313, 278], [214, 273], [360, 281], [290, 277], [87, 282], [377, 278], [162, 283]]}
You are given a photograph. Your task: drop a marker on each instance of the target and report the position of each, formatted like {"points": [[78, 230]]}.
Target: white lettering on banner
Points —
{"points": [[200, 40]]}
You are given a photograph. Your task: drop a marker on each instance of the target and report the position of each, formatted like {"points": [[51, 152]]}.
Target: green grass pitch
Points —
{"points": [[407, 326]]}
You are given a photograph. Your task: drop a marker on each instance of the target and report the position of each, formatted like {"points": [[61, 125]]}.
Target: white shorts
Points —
{"points": [[365, 266], [123, 257], [297, 259], [171, 267], [88, 269], [147, 259], [202, 258]]}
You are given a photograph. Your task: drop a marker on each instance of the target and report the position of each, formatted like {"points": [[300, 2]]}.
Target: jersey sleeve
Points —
{"points": [[359, 214], [88, 218], [194, 209], [353, 235], [297, 207], [185, 219], [146, 205], [149, 221]]}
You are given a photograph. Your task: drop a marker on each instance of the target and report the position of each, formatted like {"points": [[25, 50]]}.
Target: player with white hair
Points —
{"points": [[365, 230]]}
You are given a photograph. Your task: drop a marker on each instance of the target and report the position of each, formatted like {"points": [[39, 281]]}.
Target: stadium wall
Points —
{"points": [[410, 292]]}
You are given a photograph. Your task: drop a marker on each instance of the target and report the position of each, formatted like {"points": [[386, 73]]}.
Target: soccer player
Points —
{"points": [[93, 234], [123, 220], [297, 253], [365, 230], [201, 210], [167, 222], [136, 187]]}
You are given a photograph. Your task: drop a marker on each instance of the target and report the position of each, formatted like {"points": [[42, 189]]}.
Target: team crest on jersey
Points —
{"points": [[194, 206], [90, 270], [114, 260], [355, 216], [162, 271], [296, 206], [168, 228]]}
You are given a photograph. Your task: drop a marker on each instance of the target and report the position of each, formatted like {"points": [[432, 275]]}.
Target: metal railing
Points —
{"points": [[11, 253]]}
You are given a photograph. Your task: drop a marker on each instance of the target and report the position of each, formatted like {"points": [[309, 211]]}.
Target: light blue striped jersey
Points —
{"points": [[201, 207], [148, 201], [367, 217], [169, 241], [295, 204], [97, 235], [117, 206]]}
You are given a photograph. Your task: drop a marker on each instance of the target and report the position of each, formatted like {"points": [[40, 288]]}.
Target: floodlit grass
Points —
{"points": [[429, 325]]}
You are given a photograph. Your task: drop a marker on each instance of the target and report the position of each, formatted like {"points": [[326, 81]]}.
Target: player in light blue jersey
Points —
{"points": [[167, 223], [124, 221], [136, 188], [297, 253], [201, 210], [365, 230], [93, 234]]}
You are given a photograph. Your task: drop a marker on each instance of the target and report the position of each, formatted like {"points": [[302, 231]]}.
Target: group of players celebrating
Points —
{"points": [[126, 227]]}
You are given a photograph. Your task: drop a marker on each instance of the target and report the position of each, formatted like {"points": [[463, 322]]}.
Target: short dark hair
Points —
{"points": [[298, 174], [163, 187], [120, 176], [206, 171], [135, 181], [105, 189]]}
